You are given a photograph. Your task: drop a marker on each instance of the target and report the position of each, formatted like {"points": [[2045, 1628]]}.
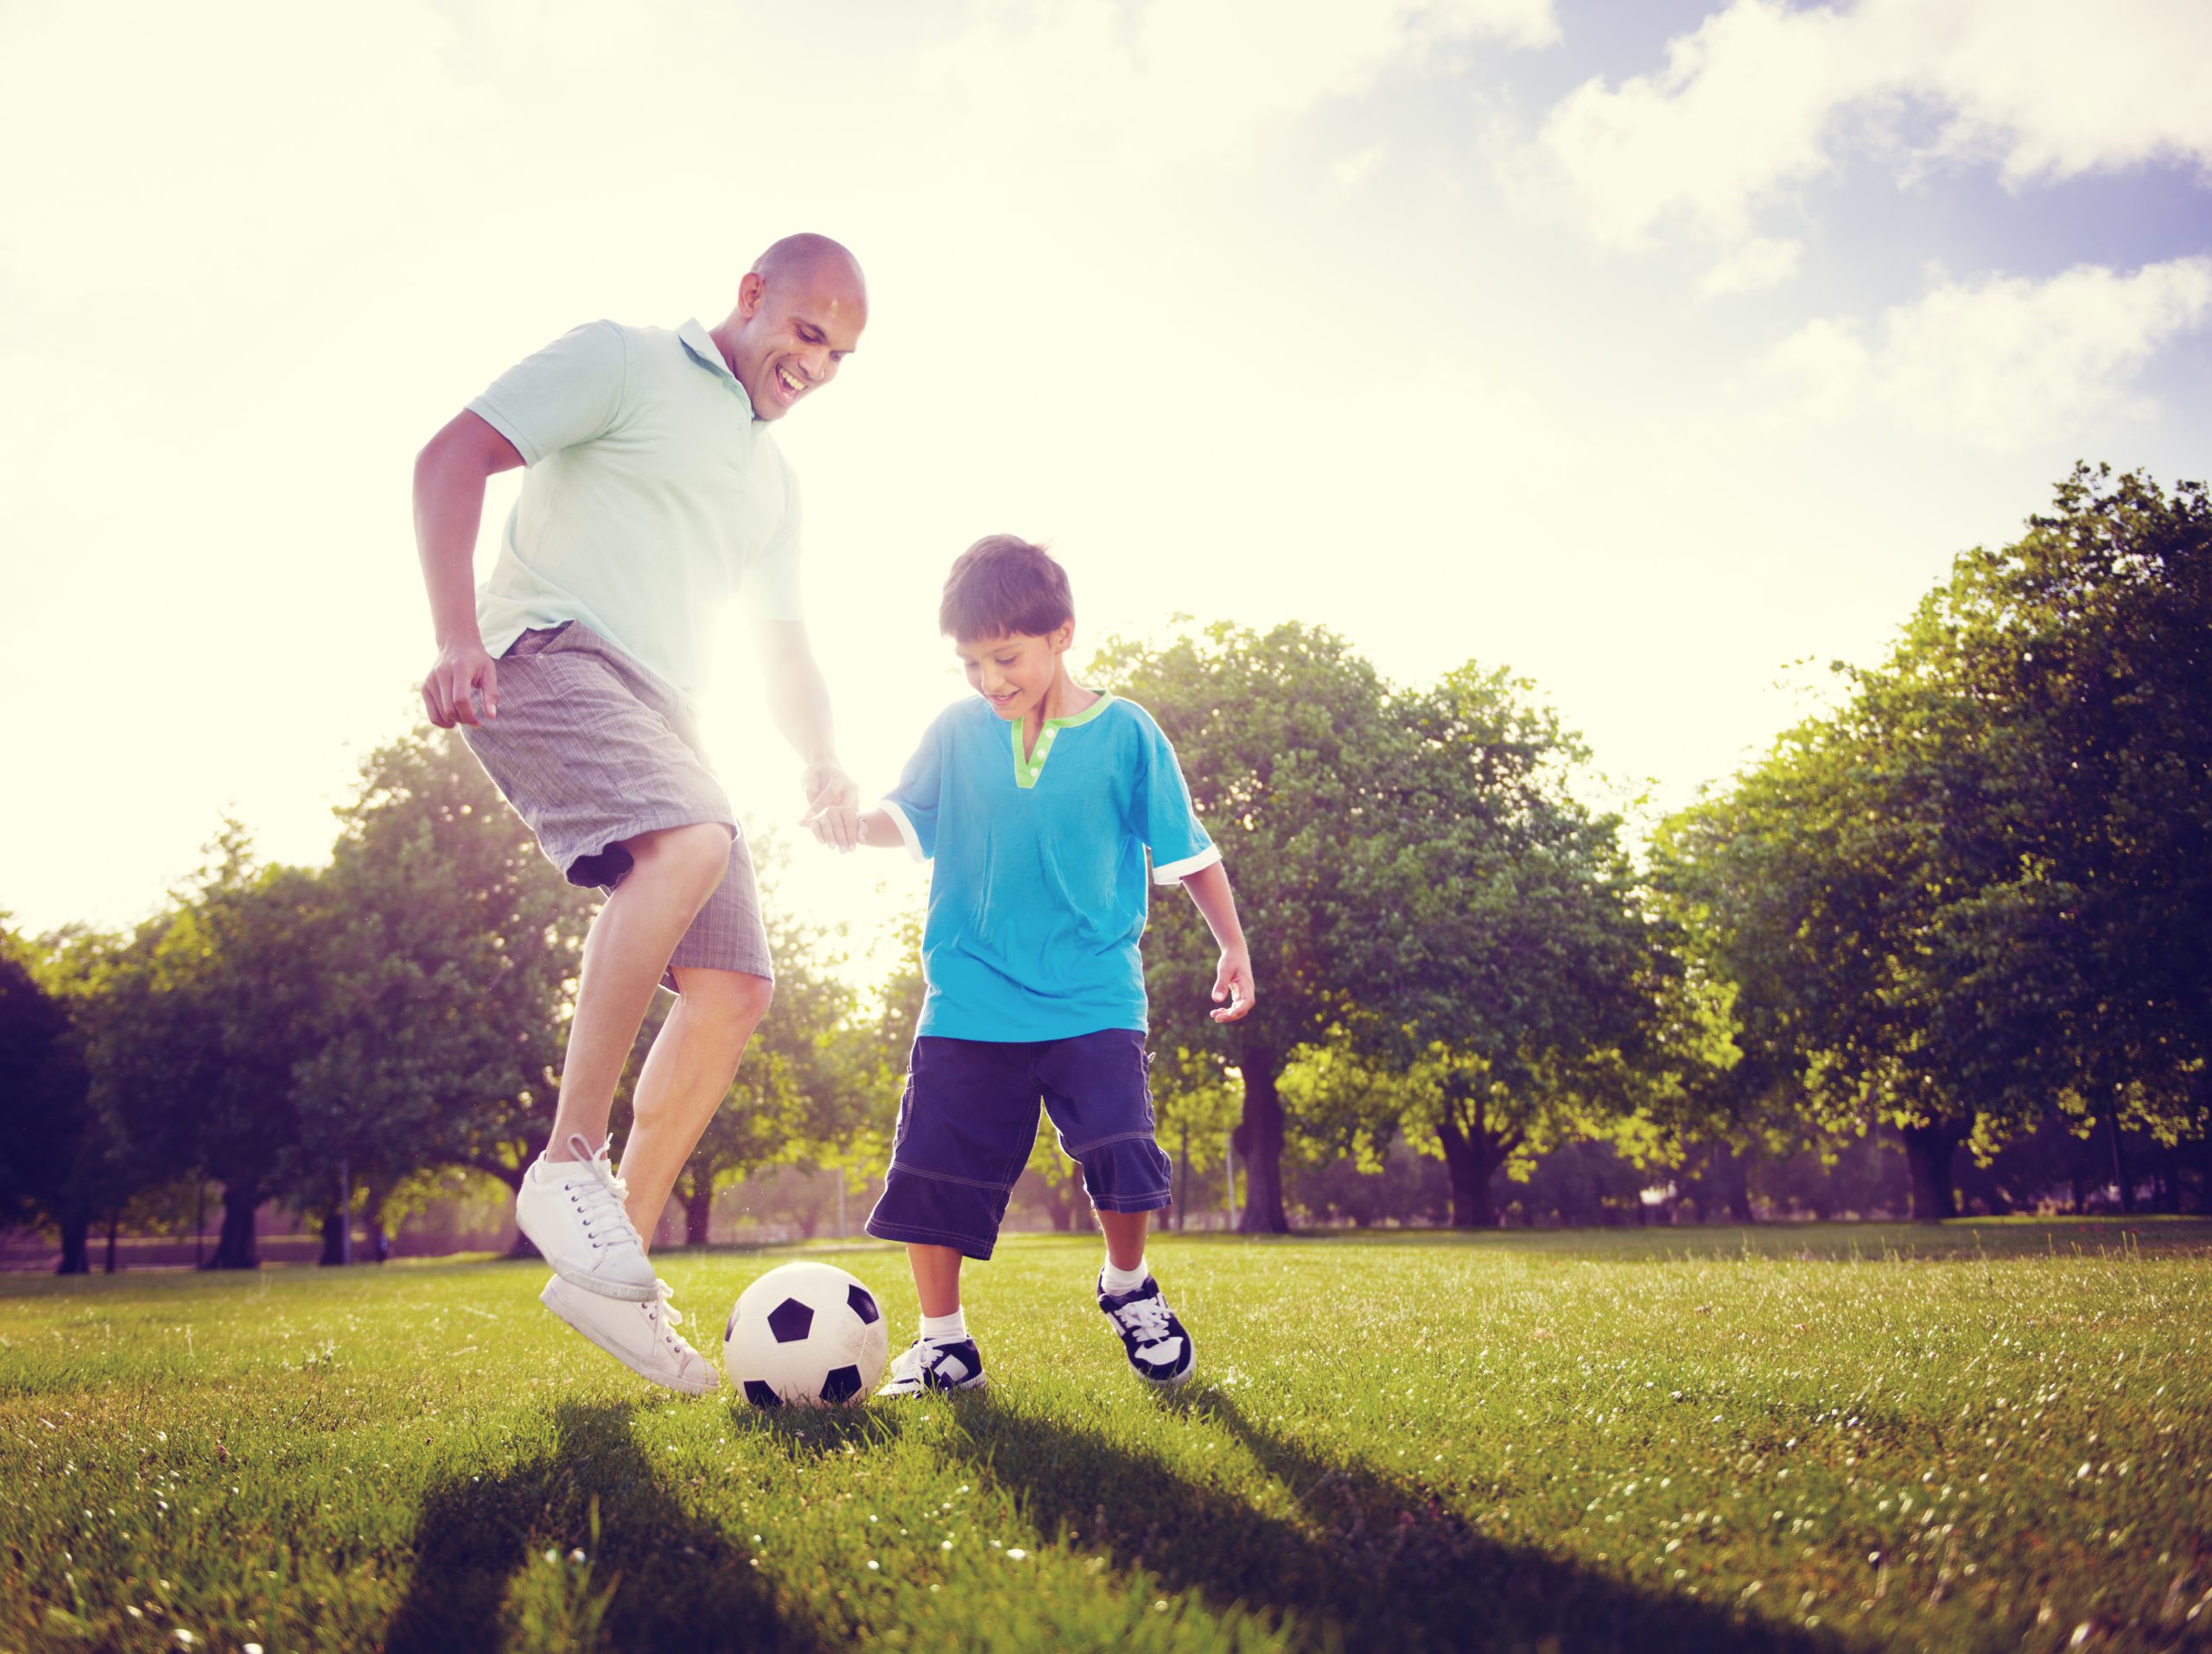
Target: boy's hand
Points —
{"points": [[835, 825], [832, 801], [1233, 983]]}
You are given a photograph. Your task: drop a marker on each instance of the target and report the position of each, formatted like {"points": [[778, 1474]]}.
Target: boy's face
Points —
{"points": [[1013, 671]]}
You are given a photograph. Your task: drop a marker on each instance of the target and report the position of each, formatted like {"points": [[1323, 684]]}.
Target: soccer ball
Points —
{"points": [[807, 1333]]}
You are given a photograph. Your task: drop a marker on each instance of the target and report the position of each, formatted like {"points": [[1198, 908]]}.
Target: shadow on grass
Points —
{"points": [[1368, 1564], [670, 1580]]}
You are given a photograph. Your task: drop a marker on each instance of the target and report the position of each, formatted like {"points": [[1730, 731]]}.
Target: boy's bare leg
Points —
{"points": [[1124, 1236], [674, 871], [1158, 1346], [937, 1277], [686, 1075]]}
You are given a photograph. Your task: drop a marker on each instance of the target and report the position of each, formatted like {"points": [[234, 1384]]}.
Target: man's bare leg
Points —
{"points": [[687, 1073], [674, 872]]}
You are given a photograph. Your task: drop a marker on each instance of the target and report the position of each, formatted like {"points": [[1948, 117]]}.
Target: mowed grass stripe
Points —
{"points": [[1982, 1437]]}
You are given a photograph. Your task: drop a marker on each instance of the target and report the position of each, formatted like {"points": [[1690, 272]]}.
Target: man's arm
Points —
{"points": [[1216, 903], [798, 700], [450, 476]]}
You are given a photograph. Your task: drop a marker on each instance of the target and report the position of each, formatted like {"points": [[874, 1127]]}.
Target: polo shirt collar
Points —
{"points": [[699, 345]]}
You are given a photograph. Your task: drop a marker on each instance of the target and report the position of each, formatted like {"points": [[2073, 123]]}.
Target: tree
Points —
{"points": [[56, 1165], [205, 1016], [1525, 1001], [1981, 886], [1285, 742], [453, 946]]}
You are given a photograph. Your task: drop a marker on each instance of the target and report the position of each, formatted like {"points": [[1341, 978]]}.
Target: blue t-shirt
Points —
{"points": [[1037, 896]]}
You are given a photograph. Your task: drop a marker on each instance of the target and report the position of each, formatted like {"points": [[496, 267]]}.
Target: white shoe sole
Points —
{"points": [[705, 1384], [627, 1291], [889, 1393]]}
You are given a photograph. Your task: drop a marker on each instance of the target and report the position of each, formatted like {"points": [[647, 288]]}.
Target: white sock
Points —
{"points": [[945, 1329], [1119, 1281]]}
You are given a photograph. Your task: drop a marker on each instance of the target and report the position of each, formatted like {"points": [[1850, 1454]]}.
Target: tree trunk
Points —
{"points": [[2119, 1164], [1470, 1160], [115, 1222], [372, 1215], [1737, 1183], [333, 1238], [240, 1247], [1258, 1141], [698, 1210], [76, 1247], [1928, 1151]]}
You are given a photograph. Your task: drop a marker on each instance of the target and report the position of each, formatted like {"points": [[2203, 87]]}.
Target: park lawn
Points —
{"points": [[1989, 1436]]}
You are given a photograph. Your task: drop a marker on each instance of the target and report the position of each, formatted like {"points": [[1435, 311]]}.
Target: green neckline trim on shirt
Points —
{"points": [[1027, 768]]}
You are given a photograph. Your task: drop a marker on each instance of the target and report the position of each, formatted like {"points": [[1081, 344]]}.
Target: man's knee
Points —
{"points": [[693, 856], [729, 999]]}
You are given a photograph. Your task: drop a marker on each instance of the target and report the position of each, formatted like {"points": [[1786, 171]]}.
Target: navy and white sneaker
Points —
{"points": [[929, 1365], [1159, 1348]]}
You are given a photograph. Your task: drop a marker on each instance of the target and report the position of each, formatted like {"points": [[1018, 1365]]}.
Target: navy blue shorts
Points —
{"points": [[968, 1120]]}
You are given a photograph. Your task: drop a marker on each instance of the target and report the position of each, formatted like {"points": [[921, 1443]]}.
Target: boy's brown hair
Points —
{"points": [[1003, 585]]}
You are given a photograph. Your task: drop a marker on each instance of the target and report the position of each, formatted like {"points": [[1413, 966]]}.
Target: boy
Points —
{"points": [[1037, 801]]}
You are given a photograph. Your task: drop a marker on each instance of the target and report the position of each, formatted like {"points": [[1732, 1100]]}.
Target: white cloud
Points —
{"points": [[1355, 169], [1168, 80], [2003, 363], [1760, 263], [1762, 98]]}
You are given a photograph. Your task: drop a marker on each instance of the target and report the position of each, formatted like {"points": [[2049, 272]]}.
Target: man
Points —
{"points": [[655, 491]]}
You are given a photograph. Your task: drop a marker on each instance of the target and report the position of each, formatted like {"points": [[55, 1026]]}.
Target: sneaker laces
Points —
{"points": [[1147, 1317], [663, 1305], [600, 1194]]}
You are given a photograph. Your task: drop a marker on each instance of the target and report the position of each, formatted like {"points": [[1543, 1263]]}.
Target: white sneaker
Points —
{"points": [[642, 1337], [572, 1211]]}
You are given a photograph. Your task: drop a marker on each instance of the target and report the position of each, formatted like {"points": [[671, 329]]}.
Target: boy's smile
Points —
{"points": [[1021, 673]]}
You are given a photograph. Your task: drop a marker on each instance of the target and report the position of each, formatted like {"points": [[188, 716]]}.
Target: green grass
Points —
{"points": [[1991, 1436]]}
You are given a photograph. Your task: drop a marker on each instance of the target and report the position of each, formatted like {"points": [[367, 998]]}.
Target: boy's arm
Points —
{"points": [[1209, 888], [843, 827]]}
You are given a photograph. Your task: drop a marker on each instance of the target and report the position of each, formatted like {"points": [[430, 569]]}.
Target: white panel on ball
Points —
{"points": [[807, 1335]]}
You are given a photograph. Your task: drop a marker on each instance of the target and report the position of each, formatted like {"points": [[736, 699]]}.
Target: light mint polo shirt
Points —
{"points": [[652, 497]]}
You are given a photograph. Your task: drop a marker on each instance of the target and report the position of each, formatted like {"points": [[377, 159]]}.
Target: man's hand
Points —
{"points": [[448, 691], [1233, 983], [832, 804]]}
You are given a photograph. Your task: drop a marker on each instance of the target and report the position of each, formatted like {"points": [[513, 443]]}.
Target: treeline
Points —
{"points": [[1968, 908], [329, 1038]]}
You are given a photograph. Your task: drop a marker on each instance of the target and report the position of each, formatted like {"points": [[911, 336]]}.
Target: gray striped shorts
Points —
{"points": [[591, 748]]}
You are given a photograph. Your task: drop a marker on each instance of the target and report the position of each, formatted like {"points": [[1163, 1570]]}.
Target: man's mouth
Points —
{"points": [[789, 384]]}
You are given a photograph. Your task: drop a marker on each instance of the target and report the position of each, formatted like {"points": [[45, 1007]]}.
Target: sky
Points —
{"points": [[1644, 348]]}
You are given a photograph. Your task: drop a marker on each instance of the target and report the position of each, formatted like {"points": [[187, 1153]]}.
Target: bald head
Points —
{"points": [[805, 257], [800, 310]]}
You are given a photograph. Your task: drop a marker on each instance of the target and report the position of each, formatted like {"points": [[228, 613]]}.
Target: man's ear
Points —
{"points": [[750, 291]]}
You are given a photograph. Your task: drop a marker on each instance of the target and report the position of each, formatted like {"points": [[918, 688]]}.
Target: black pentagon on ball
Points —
{"points": [[842, 1385], [730, 1327], [864, 1305], [791, 1320], [761, 1394]]}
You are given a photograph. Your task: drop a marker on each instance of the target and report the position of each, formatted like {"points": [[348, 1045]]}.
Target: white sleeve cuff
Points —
{"points": [[1176, 871], [905, 829]]}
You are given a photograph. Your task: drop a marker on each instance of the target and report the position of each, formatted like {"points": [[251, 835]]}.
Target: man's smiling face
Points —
{"points": [[794, 326]]}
